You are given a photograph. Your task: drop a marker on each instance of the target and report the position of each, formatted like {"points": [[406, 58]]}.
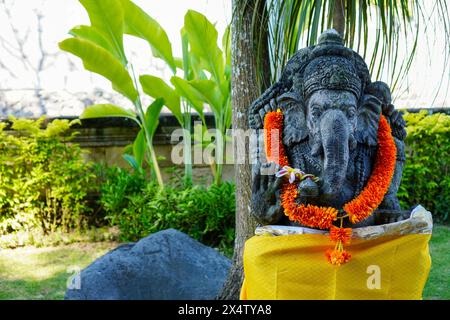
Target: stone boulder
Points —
{"points": [[167, 265]]}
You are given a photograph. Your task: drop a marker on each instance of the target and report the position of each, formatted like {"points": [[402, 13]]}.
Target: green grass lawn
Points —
{"points": [[41, 273], [438, 285]]}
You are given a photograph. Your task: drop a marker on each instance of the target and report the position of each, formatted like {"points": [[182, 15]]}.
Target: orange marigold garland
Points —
{"points": [[311, 216], [357, 209], [370, 198], [273, 124]]}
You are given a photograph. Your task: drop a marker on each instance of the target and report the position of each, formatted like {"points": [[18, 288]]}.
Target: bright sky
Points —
{"points": [[66, 72]]}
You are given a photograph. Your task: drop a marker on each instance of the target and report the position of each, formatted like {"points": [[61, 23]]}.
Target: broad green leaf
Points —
{"points": [[128, 149], [131, 161], [152, 116], [99, 60], [140, 24], [94, 35], [108, 16], [156, 87], [228, 114], [139, 147], [209, 93], [201, 135], [225, 89], [107, 110], [188, 74], [226, 45], [197, 67], [185, 90], [178, 62], [203, 40]]}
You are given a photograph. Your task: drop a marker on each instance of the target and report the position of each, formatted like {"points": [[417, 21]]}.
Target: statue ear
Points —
{"points": [[293, 108], [380, 90], [368, 118]]}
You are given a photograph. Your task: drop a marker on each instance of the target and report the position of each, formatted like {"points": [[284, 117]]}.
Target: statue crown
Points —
{"points": [[331, 67], [333, 73]]}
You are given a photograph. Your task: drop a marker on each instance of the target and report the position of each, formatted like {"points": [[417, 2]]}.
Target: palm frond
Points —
{"points": [[292, 24]]}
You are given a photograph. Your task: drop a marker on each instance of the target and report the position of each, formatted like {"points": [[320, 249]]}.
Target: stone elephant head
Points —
{"points": [[333, 122], [331, 114]]}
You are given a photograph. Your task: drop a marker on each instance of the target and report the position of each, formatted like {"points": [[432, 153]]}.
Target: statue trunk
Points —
{"points": [[335, 143]]}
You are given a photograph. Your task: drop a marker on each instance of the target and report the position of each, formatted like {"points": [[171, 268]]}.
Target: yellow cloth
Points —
{"points": [[295, 267]]}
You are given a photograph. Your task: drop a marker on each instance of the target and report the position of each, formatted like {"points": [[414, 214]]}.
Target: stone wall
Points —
{"points": [[105, 139]]}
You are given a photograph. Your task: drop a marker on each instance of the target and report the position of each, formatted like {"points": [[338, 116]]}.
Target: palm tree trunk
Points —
{"points": [[339, 16], [244, 90]]}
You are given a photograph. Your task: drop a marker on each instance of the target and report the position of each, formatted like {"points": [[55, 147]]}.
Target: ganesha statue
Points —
{"points": [[331, 116], [328, 166]]}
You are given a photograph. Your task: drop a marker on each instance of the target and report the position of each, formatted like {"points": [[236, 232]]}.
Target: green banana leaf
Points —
{"points": [[107, 110], [139, 148], [185, 90], [152, 116], [209, 92], [156, 87], [226, 45], [108, 16], [140, 24], [203, 40], [99, 60], [131, 161], [94, 35], [178, 62]]}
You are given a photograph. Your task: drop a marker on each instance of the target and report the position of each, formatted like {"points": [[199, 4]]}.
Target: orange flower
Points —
{"points": [[337, 257], [341, 234]]}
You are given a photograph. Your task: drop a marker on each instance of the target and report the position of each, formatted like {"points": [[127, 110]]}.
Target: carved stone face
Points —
{"points": [[331, 118], [325, 100]]}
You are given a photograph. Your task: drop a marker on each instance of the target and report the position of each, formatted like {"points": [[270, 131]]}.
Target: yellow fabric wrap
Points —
{"points": [[294, 266]]}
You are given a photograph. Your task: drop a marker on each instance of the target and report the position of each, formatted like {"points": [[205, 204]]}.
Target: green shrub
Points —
{"points": [[43, 179], [426, 175], [116, 184], [138, 209]]}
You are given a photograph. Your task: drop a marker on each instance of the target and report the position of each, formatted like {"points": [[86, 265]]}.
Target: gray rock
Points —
{"points": [[165, 265]]}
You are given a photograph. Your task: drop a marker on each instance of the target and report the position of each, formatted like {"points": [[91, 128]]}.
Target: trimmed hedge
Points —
{"points": [[426, 175]]}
